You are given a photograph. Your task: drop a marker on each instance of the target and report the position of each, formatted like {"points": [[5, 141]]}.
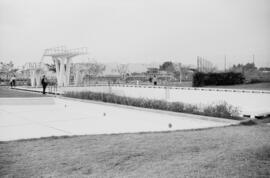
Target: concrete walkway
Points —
{"points": [[23, 118]]}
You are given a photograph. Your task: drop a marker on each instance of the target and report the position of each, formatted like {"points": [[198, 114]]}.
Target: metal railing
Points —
{"points": [[177, 88]]}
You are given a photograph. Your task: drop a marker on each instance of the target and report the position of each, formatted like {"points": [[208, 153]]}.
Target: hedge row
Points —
{"points": [[223, 109], [226, 78]]}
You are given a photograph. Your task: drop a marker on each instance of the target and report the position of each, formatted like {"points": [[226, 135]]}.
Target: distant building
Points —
{"points": [[160, 74], [152, 71], [265, 69]]}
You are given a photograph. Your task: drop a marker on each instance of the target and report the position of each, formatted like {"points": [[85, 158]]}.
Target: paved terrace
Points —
{"points": [[37, 116]]}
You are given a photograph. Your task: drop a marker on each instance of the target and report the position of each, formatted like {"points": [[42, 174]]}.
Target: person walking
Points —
{"points": [[44, 83], [155, 80], [12, 81]]}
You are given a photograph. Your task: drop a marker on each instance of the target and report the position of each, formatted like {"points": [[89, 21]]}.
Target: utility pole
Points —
{"points": [[225, 60], [180, 72], [253, 59]]}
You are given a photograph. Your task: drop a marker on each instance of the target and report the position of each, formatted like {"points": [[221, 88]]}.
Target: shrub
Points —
{"points": [[253, 80], [193, 109], [226, 78], [248, 122], [159, 104], [222, 109], [176, 107]]}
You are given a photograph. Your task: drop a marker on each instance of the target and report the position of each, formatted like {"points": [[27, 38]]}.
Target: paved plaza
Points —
{"points": [[38, 116]]}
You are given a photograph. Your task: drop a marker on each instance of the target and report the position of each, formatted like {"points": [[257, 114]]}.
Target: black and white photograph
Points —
{"points": [[134, 88]]}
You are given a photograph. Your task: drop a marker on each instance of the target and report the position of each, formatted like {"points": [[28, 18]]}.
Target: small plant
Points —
{"points": [[177, 107]]}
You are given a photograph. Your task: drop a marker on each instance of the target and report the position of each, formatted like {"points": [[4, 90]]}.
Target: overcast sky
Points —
{"points": [[138, 30]]}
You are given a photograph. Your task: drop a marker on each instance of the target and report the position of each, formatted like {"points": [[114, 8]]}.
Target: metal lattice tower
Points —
{"points": [[62, 58], [204, 65]]}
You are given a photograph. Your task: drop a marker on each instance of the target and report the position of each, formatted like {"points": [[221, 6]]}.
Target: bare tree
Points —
{"points": [[94, 69], [122, 69], [87, 69], [7, 69], [178, 70]]}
